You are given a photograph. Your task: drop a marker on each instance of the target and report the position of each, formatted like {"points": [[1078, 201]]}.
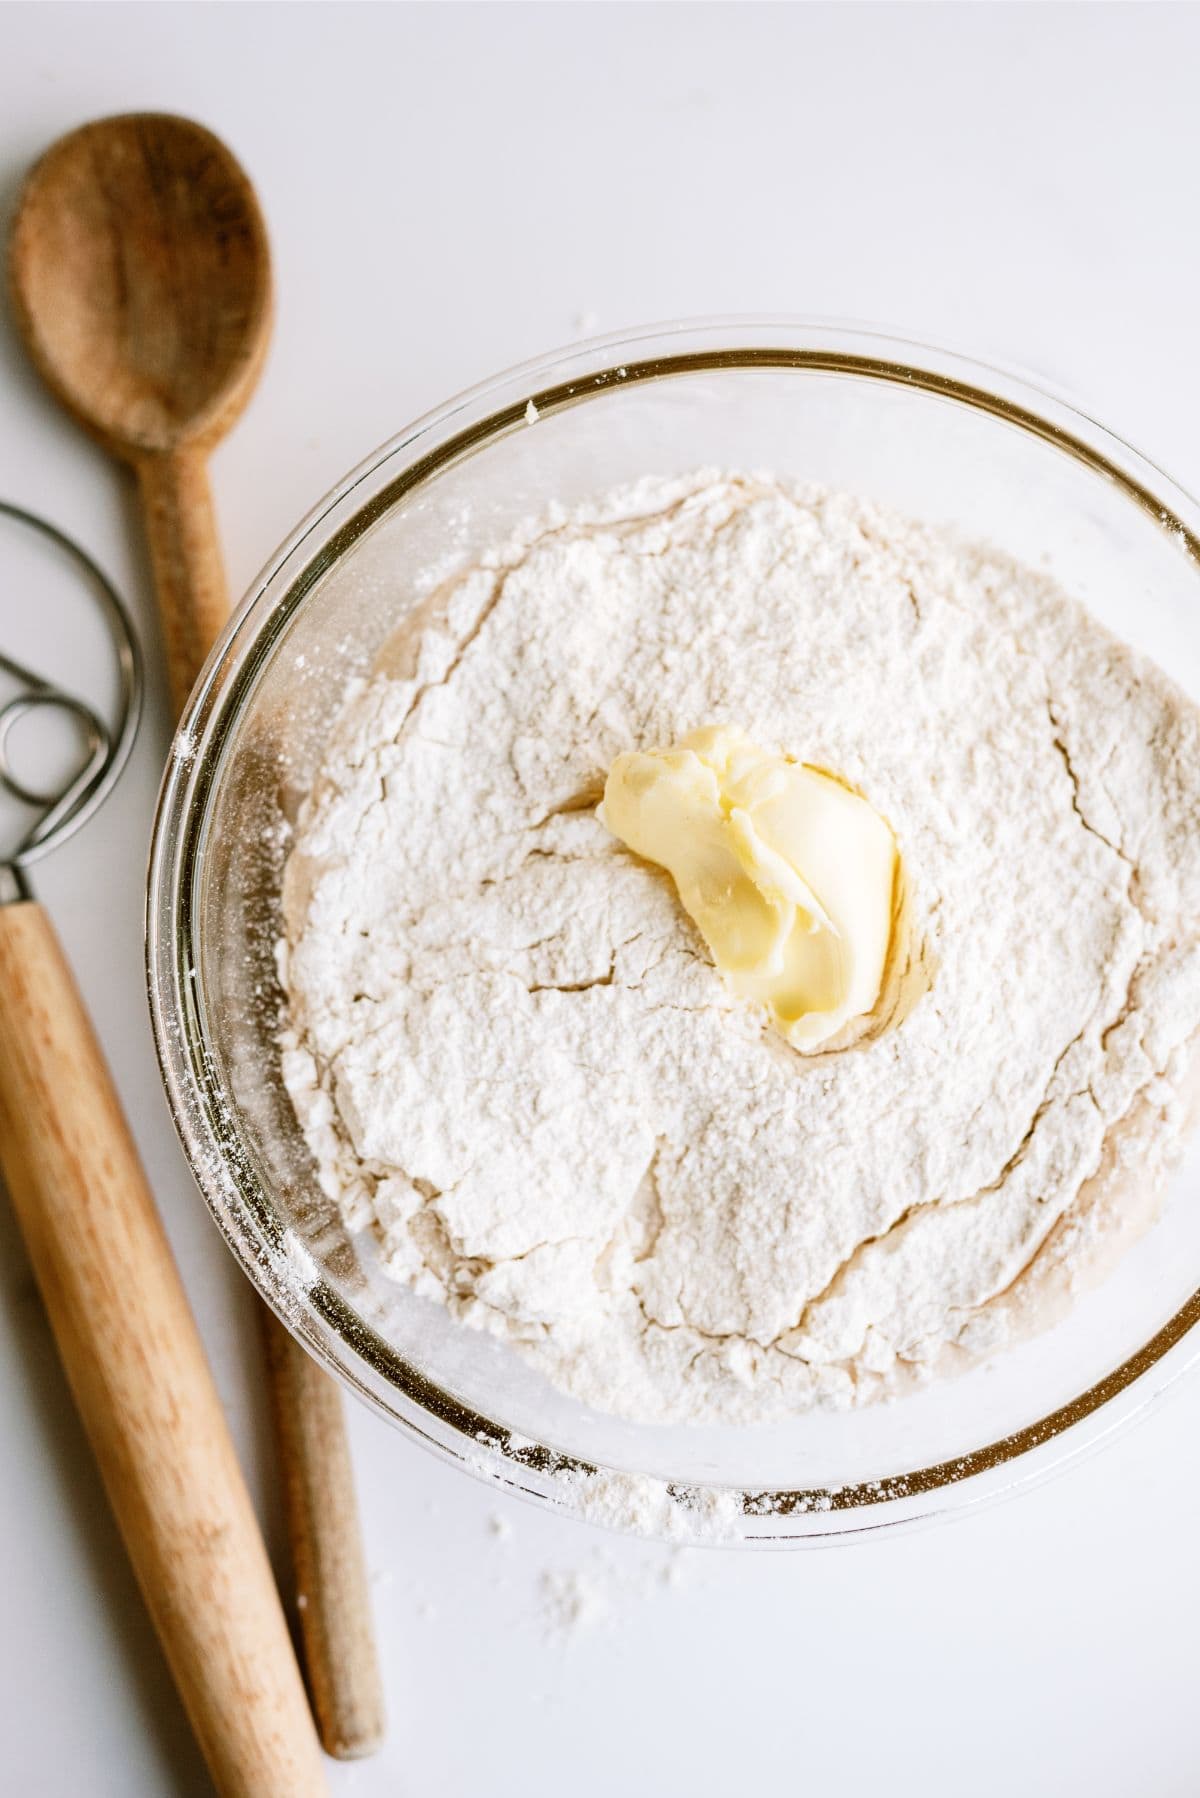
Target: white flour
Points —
{"points": [[515, 1063], [604, 1593]]}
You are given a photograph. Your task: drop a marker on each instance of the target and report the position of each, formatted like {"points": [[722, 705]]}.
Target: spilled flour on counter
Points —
{"points": [[516, 1065], [605, 1595], [574, 1599]]}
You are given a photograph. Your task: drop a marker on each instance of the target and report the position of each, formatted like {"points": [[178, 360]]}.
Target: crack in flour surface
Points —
{"points": [[515, 1063]]}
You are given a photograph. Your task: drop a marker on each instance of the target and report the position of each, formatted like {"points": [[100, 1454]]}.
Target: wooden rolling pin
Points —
{"points": [[141, 282]]}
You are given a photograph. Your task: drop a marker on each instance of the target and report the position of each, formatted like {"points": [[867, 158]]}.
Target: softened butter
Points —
{"points": [[788, 874]]}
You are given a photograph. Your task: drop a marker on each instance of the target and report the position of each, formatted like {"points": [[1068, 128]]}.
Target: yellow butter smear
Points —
{"points": [[789, 876]]}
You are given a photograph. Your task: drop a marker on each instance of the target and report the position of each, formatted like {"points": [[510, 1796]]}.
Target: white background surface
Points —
{"points": [[451, 189]]}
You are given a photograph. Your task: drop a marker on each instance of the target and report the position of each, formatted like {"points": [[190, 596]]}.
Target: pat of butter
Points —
{"points": [[789, 875]]}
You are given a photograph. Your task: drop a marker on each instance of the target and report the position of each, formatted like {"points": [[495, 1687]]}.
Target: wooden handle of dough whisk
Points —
{"points": [[327, 1556], [185, 553], [140, 1379]]}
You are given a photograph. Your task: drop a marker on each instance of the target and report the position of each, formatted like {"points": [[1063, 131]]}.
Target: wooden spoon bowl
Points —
{"points": [[141, 283]]}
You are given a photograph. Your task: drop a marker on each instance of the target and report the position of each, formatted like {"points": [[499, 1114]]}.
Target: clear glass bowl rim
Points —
{"points": [[204, 1115]]}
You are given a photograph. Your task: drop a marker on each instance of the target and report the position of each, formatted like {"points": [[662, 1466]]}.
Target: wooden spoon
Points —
{"points": [[141, 282]]}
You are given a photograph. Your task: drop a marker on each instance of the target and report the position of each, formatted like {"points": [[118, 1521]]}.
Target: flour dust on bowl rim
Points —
{"points": [[928, 433]]}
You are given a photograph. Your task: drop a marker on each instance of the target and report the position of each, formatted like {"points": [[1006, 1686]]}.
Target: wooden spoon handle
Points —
{"points": [[185, 551], [138, 1372], [331, 1575], [327, 1556]]}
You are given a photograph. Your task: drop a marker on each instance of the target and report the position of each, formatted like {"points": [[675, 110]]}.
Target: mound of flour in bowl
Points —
{"points": [[515, 1063]]}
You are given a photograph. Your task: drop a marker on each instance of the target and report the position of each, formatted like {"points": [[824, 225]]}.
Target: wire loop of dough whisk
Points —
{"points": [[64, 807]]}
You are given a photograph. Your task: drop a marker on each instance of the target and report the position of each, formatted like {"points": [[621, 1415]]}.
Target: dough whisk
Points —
{"points": [[124, 1330]]}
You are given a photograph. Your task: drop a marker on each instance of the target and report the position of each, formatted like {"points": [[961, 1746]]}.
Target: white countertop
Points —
{"points": [[451, 189]]}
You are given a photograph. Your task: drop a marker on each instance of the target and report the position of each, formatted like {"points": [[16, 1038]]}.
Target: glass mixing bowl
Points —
{"points": [[930, 434]]}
